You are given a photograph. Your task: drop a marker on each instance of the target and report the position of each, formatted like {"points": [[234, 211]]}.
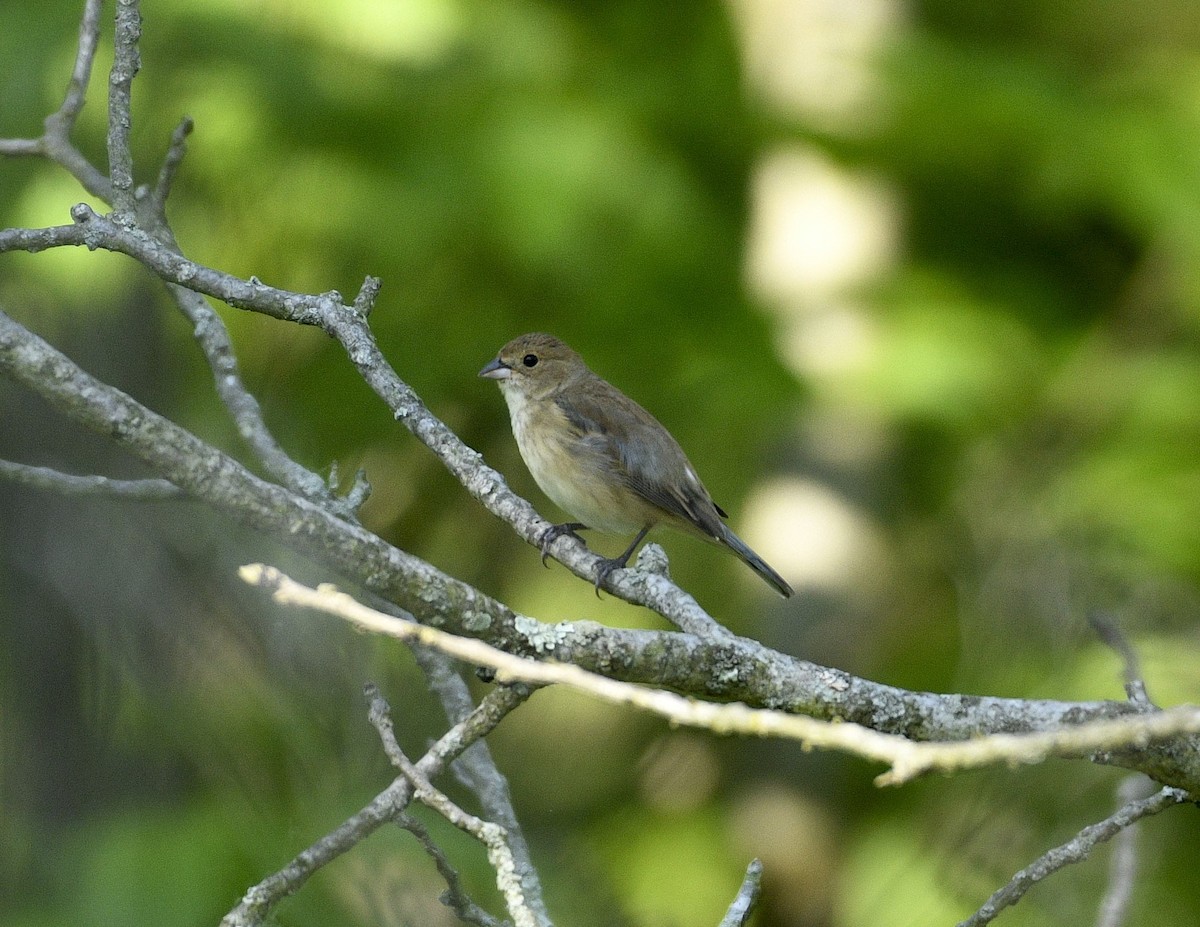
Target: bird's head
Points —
{"points": [[534, 365]]}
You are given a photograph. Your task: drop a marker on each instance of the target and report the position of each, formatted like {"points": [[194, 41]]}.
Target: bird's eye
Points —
{"points": [[530, 360]]}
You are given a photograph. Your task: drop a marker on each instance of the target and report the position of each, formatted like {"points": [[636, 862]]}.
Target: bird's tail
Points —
{"points": [[754, 561]]}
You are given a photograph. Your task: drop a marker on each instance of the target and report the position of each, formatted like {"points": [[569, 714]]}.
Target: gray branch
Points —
{"points": [[1110, 633], [1123, 864], [492, 835], [478, 772], [728, 668], [170, 167], [126, 63], [747, 897], [1075, 850], [257, 904], [55, 142], [455, 897], [70, 484], [212, 336]]}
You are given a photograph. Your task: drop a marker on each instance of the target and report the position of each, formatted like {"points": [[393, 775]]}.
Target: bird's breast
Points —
{"points": [[576, 477]]}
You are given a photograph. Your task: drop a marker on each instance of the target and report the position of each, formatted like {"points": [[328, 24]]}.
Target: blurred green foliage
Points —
{"points": [[1019, 433]]}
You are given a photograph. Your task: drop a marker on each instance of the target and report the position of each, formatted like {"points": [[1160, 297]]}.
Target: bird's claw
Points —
{"points": [[604, 569], [554, 532]]}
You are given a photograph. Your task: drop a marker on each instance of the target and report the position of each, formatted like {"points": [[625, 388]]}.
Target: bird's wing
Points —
{"points": [[640, 450]]}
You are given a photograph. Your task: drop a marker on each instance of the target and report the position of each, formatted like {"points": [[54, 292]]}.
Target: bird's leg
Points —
{"points": [[554, 532], [605, 567]]}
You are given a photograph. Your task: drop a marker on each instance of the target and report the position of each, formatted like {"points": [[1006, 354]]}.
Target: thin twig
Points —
{"points": [[455, 897], [747, 897], [70, 484], [212, 336], [476, 770], [359, 491], [906, 758], [1123, 863], [22, 147], [491, 835], [170, 166], [1110, 633], [1077, 849], [81, 74], [379, 713], [55, 142], [260, 899], [364, 302]]}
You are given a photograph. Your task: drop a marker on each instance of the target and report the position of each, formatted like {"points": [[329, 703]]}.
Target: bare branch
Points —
{"points": [[726, 669], [476, 770], [1122, 865], [35, 240], [906, 758], [21, 147], [1077, 849], [747, 897], [55, 142], [491, 835], [212, 336], [260, 899], [379, 713], [170, 166], [70, 484], [1110, 633], [126, 63], [329, 312], [81, 74], [358, 492], [364, 302], [214, 477], [455, 897]]}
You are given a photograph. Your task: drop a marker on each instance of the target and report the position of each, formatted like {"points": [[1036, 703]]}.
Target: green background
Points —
{"points": [[974, 397]]}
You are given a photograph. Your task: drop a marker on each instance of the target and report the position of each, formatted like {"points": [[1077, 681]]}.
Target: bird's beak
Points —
{"points": [[496, 370]]}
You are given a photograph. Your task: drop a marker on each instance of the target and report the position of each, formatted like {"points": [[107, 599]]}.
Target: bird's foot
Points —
{"points": [[606, 567], [554, 532]]}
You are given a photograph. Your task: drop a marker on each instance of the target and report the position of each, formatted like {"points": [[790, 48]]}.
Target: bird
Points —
{"points": [[602, 458]]}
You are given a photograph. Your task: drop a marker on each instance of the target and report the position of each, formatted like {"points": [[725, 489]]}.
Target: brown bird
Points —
{"points": [[601, 457]]}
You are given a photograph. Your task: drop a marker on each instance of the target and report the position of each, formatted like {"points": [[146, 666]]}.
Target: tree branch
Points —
{"points": [[126, 63], [1110, 633], [730, 668], [55, 142], [258, 902], [329, 312], [491, 835], [747, 897], [906, 759], [455, 897], [1077, 849], [1122, 867], [69, 484], [476, 770], [170, 167]]}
